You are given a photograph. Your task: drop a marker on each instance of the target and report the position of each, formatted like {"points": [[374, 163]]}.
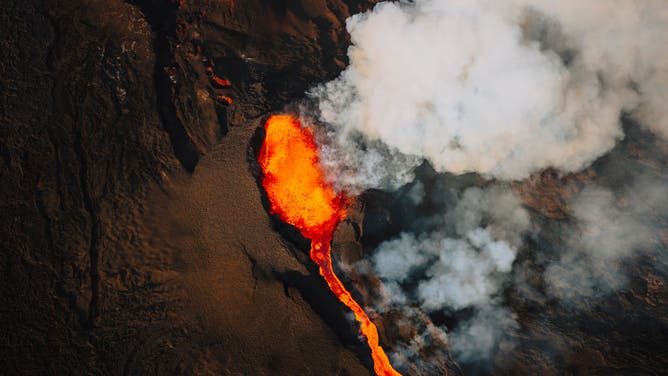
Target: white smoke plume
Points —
{"points": [[502, 88], [611, 230], [477, 338], [461, 267], [354, 167]]}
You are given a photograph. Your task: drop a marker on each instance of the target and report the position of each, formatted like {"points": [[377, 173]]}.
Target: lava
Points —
{"points": [[299, 195]]}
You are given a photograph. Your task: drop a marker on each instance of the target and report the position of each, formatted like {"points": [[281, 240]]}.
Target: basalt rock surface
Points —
{"points": [[134, 239]]}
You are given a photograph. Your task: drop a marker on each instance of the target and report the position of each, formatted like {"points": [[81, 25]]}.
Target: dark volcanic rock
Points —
{"points": [[79, 148], [115, 258]]}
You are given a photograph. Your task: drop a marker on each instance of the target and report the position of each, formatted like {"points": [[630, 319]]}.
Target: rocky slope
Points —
{"points": [[134, 239]]}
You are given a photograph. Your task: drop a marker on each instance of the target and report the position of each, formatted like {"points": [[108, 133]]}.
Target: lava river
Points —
{"points": [[299, 195]]}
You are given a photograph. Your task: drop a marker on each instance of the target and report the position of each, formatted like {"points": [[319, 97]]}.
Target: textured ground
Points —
{"points": [[134, 239]]}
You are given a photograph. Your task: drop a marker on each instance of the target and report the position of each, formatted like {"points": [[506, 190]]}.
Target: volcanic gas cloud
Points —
{"points": [[300, 196]]}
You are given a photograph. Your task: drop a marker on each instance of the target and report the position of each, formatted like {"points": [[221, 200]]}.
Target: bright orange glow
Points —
{"points": [[299, 195], [221, 83]]}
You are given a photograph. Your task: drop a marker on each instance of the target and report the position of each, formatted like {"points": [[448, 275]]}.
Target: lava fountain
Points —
{"points": [[299, 195]]}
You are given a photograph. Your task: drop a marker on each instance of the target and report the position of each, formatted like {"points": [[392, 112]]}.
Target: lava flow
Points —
{"points": [[299, 195]]}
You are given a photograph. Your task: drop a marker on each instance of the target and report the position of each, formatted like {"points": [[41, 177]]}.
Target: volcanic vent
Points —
{"points": [[299, 195]]}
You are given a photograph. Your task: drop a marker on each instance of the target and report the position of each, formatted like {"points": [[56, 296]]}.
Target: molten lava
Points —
{"points": [[299, 195]]}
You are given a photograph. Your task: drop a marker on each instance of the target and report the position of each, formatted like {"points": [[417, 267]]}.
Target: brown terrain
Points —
{"points": [[136, 239]]}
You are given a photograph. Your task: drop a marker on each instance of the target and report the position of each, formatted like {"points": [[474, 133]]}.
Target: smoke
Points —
{"points": [[353, 166], [461, 266], [610, 230], [501, 88], [409, 356], [478, 337], [464, 263], [616, 40], [457, 273]]}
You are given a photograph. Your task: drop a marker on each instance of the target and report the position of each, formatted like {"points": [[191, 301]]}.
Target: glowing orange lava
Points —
{"points": [[300, 196]]}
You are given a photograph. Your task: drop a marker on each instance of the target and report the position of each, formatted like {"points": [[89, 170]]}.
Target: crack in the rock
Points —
{"points": [[162, 19], [253, 262], [95, 231]]}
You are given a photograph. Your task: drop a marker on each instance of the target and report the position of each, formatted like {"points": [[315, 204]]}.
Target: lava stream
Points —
{"points": [[299, 195]]}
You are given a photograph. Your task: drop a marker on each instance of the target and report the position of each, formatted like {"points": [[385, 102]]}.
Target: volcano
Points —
{"points": [[165, 211]]}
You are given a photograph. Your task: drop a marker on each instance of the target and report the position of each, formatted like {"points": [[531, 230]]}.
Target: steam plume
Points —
{"points": [[462, 266], [611, 230], [503, 89]]}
